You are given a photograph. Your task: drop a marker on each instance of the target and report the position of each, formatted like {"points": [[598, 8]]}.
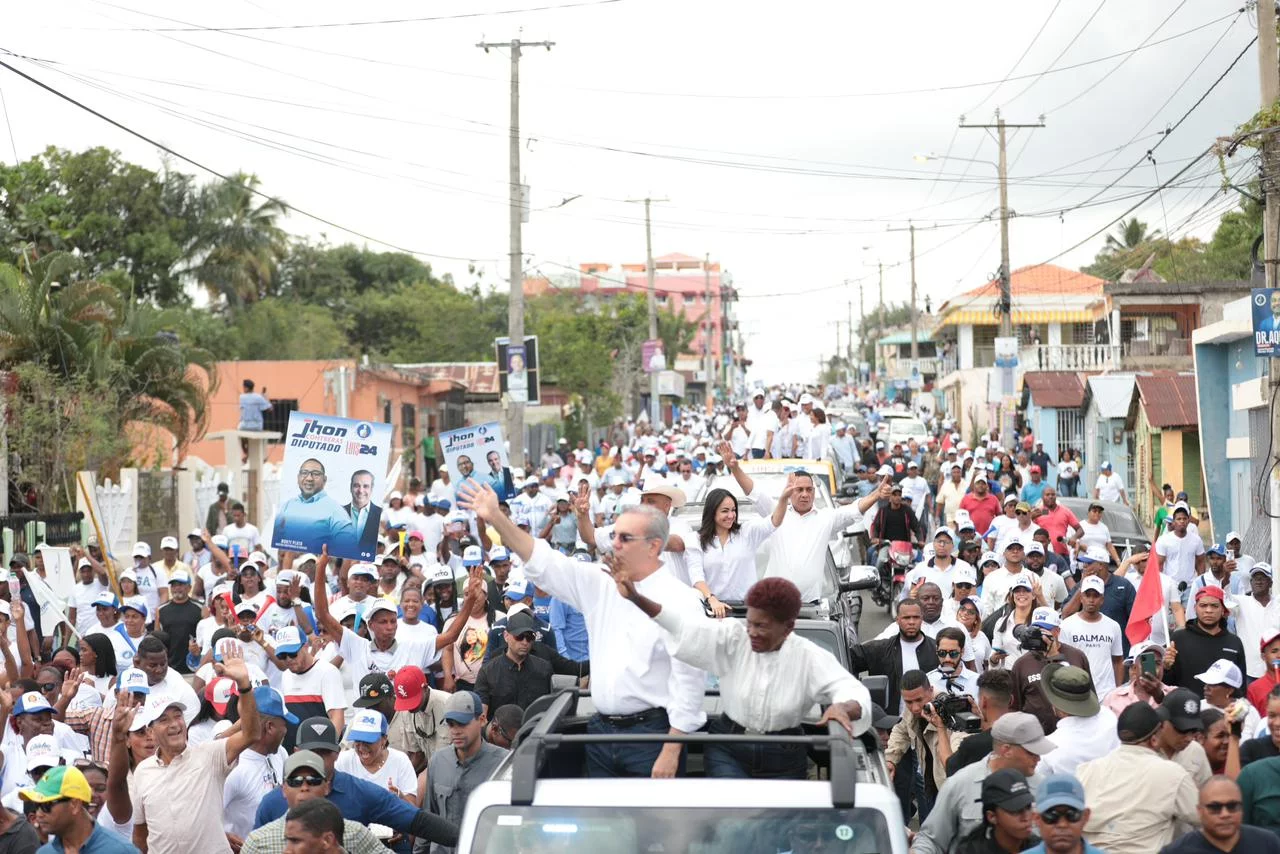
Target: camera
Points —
{"points": [[1031, 638], [956, 713]]}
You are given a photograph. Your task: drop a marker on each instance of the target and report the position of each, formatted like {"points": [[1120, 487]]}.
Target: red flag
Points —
{"points": [[1148, 603]]}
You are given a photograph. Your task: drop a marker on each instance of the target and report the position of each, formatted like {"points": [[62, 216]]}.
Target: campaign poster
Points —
{"points": [[1266, 321], [333, 468], [518, 374], [478, 453]]}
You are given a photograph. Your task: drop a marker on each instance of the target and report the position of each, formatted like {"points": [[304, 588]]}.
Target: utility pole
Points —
{"points": [[875, 357], [655, 407], [709, 325], [515, 300], [1006, 296], [1269, 75]]}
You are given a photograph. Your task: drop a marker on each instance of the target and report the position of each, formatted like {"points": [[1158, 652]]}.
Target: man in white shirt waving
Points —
{"points": [[637, 686], [1109, 486], [798, 550]]}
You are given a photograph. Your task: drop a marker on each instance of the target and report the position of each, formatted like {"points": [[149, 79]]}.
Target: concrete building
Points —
{"points": [[1166, 435]]}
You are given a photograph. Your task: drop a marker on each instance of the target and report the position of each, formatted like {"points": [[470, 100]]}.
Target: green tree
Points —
{"points": [[869, 327], [118, 218], [274, 328], [1130, 234], [240, 243]]}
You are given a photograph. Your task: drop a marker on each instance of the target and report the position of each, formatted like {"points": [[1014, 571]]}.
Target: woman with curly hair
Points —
{"points": [[752, 657]]}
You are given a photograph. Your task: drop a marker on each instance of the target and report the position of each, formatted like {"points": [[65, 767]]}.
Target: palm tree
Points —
{"points": [[1130, 234], [238, 254]]}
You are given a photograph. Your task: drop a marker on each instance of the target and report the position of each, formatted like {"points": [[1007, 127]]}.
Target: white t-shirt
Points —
{"points": [[82, 596], [761, 422], [397, 769], [1098, 641], [323, 680], [1094, 534], [1110, 487], [246, 536], [253, 776], [361, 657], [1179, 555]]}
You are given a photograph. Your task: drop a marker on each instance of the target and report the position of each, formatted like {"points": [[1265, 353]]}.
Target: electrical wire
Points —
{"points": [[1018, 61], [4, 105], [1058, 58]]}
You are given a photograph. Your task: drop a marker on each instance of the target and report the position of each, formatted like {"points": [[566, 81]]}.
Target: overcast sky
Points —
{"points": [[769, 130]]}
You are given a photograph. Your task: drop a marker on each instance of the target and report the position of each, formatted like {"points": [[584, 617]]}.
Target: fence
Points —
{"points": [[157, 507], [60, 529]]}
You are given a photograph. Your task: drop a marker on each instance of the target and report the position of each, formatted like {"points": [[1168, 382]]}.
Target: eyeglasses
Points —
{"points": [[527, 637], [48, 806], [1217, 807], [1021, 513], [48, 686], [310, 473], [963, 584], [298, 781], [626, 538], [950, 653], [286, 656], [1057, 814]]}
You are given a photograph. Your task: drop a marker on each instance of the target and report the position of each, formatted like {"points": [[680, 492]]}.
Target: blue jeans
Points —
{"points": [[625, 760], [761, 761], [757, 453]]}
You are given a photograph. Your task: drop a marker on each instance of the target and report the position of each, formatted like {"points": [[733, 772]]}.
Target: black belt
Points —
{"points": [[635, 719], [739, 729]]}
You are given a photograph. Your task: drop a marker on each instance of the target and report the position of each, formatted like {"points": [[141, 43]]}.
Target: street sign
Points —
{"points": [[518, 374]]}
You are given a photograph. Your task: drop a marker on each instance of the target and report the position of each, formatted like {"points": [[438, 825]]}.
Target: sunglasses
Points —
{"points": [[48, 686], [950, 653], [286, 656], [48, 806], [626, 538], [1217, 807], [528, 637], [963, 584], [298, 781], [1057, 814]]}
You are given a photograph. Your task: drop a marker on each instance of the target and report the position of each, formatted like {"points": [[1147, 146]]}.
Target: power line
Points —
{"points": [[4, 105], [338, 24], [1061, 54], [1018, 61], [199, 165]]}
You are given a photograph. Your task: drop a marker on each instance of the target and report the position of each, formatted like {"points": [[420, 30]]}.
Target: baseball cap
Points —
{"points": [[1268, 638], [1034, 548], [1094, 583], [305, 557], [1034, 468], [463, 708], [408, 686], [1046, 618], [989, 557], [1181, 506], [154, 709], [134, 681], [270, 702], [1106, 464], [137, 603], [317, 733], [1011, 498], [521, 622], [245, 607], [964, 575], [472, 556], [83, 562], [42, 752], [1095, 554], [367, 725], [307, 760], [1181, 708], [395, 493], [31, 703], [62, 783], [1008, 790], [129, 574], [1023, 580], [1060, 790], [285, 577], [1216, 549], [106, 599], [365, 570], [1014, 542], [179, 576], [1222, 672], [219, 693], [1232, 535], [288, 640], [220, 540], [880, 719], [141, 550], [195, 533], [377, 606], [225, 644], [373, 688], [517, 588], [499, 554], [1139, 721], [1210, 590], [1023, 730], [1263, 567], [168, 542]]}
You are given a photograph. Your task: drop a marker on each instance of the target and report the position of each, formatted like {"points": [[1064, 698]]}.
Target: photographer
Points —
{"points": [[995, 698], [1039, 642], [923, 730]]}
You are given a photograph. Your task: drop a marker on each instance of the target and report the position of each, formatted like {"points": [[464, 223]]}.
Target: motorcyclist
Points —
{"points": [[894, 521]]}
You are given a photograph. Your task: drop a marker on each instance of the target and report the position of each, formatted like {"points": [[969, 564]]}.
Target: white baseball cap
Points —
{"points": [[1222, 672], [964, 575], [141, 550], [1046, 618], [1024, 581], [1094, 583], [154, 709], [169, 543]]}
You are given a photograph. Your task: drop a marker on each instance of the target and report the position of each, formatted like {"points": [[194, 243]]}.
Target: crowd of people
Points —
{"points": [[221, 698]]}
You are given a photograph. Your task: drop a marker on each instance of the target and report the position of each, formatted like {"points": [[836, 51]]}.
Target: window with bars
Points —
{"points": [[1070, 432], [277, 418]]}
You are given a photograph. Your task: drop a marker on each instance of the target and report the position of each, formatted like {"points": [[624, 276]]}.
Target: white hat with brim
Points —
{"points": [[675, 493]]}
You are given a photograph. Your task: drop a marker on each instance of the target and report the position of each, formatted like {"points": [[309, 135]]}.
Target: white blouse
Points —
{"points": [[729, 568], [749, 680]]}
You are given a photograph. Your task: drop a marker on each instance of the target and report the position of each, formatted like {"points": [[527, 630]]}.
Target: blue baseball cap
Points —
{"points": [[441, 504], [1216, 549], [498, 554], [288, 640], [31, 703], [106, 599], [516, 589], [472, 556], [368, 725], [1060, 790], [270, 702]]}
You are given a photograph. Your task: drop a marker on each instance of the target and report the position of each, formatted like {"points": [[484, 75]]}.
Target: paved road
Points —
{"points": [[874, 618]]}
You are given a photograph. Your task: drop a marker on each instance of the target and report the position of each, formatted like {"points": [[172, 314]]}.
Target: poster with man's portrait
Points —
{"points": [[333, 467], [1266, 321], [478, 453]]}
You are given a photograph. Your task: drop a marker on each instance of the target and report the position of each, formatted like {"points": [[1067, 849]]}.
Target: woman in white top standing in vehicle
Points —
{"points": [[722, 561]]}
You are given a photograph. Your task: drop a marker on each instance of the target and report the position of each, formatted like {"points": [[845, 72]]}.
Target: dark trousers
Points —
{"points": [[626, 760], [757, 453], [762, 761], [908, 785], [430, 471]]}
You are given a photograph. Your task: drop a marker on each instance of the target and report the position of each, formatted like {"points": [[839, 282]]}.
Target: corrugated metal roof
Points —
{"points": [[905, 337], [1169, 399], [480, 378], [1055, 389], [1113, 393]]}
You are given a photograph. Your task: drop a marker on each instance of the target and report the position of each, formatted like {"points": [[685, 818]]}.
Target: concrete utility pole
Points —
{"points": [[709, 324], [875, 357], [915, 345], [515, 300], [1269, 76], [655, 405], [1006, 296]]}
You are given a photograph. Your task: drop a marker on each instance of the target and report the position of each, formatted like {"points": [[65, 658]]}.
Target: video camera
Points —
{"points": [[956, 713], [1031, 638]]}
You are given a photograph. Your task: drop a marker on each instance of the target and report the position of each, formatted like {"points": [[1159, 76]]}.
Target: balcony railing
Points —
{"points": [[1158, 347], [1069, 357]]}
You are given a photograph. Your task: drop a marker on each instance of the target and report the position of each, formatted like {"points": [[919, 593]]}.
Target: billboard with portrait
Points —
{"points": [[333, 468], [518, 373], [478, 453], [1265, 303]]}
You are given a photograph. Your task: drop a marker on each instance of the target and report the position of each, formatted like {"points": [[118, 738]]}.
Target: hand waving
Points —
{"points": [[479, 498], [621, 577]]}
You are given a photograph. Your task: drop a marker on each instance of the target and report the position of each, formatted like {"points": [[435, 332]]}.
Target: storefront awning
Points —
{"points": [[985, 317]]}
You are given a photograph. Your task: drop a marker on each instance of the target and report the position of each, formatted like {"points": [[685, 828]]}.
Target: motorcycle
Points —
{"points": [[892, 565]]}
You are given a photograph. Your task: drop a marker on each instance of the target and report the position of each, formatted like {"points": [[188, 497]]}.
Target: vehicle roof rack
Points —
{"points": [[849, 757]]}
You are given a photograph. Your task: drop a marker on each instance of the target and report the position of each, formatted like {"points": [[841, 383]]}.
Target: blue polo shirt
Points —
{"points": [[311, 522], [101, 841], [360, 801]]}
